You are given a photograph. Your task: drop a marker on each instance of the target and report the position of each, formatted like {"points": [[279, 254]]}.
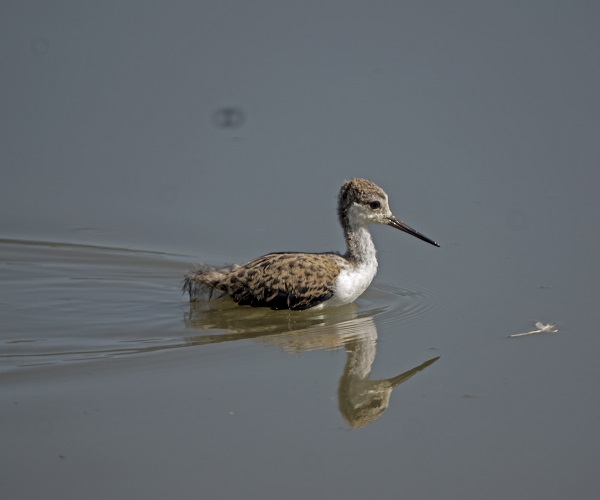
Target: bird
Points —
{"points": [[298, 281]]}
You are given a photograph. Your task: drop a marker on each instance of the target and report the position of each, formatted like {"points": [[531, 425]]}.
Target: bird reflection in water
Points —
{"points": [[361, 400]]}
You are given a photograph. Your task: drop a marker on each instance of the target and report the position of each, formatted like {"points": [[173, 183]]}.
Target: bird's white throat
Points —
{"points": [[356, 277]]}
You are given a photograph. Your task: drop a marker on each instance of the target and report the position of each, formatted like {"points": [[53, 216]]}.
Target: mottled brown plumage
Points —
{"points": [[301, 280], [279, 280]]}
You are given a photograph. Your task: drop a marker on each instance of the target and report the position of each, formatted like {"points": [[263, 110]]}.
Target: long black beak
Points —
{"points": [[398, 224]]}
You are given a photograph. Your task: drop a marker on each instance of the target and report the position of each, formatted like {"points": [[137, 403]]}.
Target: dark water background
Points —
{"points": [[140, 138]]}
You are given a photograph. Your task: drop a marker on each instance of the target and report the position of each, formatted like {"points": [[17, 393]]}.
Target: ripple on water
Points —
{"points": [[401, 304], [65, 302]]}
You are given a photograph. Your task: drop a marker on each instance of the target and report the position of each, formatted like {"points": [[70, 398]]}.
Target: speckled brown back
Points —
{"points": [[284, 280]]}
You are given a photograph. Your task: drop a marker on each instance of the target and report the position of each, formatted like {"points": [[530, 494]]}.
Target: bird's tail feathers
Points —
{"points": [[204, 281]]}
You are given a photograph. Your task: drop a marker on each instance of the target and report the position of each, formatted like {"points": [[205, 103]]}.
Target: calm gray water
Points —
{"points": [[141, 138]]}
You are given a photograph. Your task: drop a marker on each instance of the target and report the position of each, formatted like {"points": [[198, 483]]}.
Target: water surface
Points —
{"points": [[141, 138]]}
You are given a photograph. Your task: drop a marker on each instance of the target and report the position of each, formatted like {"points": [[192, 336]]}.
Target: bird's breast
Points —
{"points": [[352, 282]]}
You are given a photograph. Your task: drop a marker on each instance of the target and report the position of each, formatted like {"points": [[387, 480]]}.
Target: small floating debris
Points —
{"points": [[541, 328]]}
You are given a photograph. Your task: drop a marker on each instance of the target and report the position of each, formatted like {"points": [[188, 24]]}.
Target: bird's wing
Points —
{"points": [[284, 280]]}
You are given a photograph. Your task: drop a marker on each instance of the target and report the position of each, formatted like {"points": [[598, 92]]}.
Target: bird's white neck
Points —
{"points": [[361, 249], [361, 265]]}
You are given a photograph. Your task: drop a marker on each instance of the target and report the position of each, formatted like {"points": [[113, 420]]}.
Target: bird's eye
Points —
{"points": [[375, 205]]}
